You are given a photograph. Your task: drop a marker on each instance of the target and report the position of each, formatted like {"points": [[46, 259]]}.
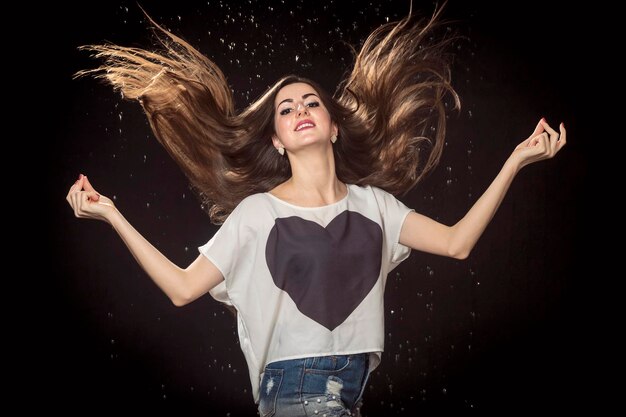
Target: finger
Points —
{"points": [[94, 196], [538, 129], [74, 187], [71, 190], [549, 129], [542, 143], [551, 143], [75, 203], [562, 138], [82, 203], [81, 181], [537, 140], [87, 185]]}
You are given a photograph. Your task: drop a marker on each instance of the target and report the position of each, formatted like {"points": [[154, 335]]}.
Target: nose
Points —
{"points": [[301, 108]]}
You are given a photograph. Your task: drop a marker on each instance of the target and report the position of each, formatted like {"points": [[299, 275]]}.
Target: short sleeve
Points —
{"points": [[221, 249], [394, 213], [228, 247]]}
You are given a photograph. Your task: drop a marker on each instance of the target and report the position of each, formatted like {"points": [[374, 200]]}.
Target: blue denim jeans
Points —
{"points": [[321, 386]]}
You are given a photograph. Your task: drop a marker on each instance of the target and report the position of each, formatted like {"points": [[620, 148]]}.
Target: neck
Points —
{"points": [[314, 178]]}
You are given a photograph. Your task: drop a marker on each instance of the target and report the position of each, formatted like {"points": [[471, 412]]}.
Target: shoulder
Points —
{"points": [[250, 207], [369, 192], [384, 200], [253, 200]]}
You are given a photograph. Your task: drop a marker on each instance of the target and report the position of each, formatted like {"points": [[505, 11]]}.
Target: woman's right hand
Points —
{"points": [[87, 203]]}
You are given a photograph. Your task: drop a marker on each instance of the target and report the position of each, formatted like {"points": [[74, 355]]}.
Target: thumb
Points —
{"points": [[539, 129], [93, 196], [91, 192]]}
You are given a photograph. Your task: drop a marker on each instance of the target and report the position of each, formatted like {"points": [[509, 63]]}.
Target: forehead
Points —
{"points": [[294, 91]]}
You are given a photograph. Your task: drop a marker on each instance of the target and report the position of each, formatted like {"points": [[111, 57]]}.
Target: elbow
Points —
{"points": [[181, 300], [462, 255], [459, 253]]}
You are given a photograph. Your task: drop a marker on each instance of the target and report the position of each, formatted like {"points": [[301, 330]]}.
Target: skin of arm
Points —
{"points": [[182, 286], [424, 234]]}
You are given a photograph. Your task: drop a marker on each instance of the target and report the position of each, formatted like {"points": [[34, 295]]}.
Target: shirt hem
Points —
{"points": [[318, 354]]}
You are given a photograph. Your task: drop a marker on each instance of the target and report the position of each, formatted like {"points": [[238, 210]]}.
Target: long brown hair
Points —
{"points": [[389, 109]]}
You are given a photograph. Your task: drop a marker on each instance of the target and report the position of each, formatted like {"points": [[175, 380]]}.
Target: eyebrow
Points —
{"points": [[290, 100]]}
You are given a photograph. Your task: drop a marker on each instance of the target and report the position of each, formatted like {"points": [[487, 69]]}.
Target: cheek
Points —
{"points": [[281, 125]]}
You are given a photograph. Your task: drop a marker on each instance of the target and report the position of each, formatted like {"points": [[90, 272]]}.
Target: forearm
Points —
{"points": [[168, 276], [468, 230]]}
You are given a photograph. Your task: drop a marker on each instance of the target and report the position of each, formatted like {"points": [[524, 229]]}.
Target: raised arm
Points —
{"points": [[182, 286], [422, 233]]}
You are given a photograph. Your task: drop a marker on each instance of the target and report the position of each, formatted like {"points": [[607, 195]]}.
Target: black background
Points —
{"points": [[501, 331]]}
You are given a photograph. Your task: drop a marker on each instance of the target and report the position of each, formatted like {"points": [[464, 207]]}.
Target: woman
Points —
{"points": [[303, 183]]}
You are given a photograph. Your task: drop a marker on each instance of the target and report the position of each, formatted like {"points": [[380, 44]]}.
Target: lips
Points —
{"points": [[304, 124]]}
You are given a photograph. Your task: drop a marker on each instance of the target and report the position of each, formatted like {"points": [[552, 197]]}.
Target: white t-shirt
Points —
{"points": [[308, 281]]}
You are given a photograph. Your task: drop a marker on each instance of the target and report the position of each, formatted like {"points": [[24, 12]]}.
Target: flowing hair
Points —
{"points": [[390, 111]]}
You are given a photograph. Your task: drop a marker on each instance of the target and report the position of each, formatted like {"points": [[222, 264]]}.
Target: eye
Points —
{"points": [[285, 111], [313, 104]]}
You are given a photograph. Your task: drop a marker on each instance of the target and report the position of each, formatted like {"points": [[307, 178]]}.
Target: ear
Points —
{"points": [[335, 129], [277, 143]]}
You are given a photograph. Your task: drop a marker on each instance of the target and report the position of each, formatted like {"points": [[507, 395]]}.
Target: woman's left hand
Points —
{"points": [[542, 144]]}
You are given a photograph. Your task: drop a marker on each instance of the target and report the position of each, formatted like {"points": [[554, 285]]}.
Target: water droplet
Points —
{"points": [[186, 249], [297, 58], [392, 312], [449, 168], [448, 182], [444, 391], [112, 341], [114, 197], [147, 205]]}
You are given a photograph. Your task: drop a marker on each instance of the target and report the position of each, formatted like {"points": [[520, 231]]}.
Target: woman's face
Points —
{"points": [[300, 118]]}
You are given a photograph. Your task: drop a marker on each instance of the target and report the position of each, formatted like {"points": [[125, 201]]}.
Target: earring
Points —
{"points": [[281, 151], [333, 138]]}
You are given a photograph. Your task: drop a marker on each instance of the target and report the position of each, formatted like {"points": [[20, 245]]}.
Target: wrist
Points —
{"points": [[513, 163], [114, 217]]}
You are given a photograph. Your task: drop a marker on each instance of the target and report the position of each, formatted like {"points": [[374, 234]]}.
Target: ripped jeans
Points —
{"points": [[327, 386]]}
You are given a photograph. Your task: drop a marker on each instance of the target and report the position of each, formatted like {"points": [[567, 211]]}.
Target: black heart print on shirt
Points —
{"points": [[327, 271]]}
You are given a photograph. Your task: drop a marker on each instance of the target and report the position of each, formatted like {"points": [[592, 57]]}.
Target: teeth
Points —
{"points": [[302, 126]]}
